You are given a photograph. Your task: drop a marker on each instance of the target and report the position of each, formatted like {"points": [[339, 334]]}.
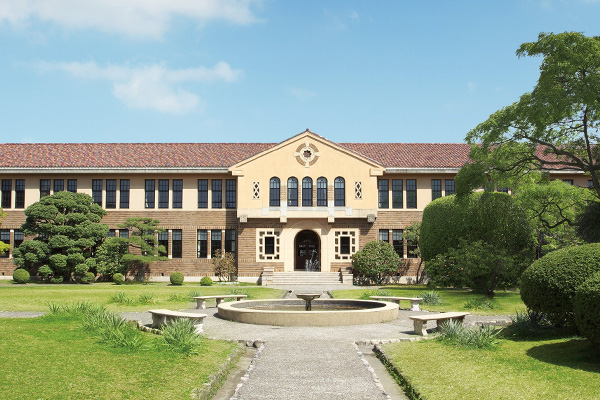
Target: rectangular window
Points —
{"points": [[20, 193], [397, 242], [149, 188], [217, 193], [397, 195], [111, 193], [123, 233], [590, 183], [6, 193], [384, 197], [411, 193], [72, 185], [202, 248], [59, 185], [321, 192], [177, 193], [569, 181], [124, 193], [270, 245], [5, 237], [44, 187], [19, 237], [344, 244], [202, 193], [384, 235], [436, 189], [111, 233], [230, 193], [230, 241], [307, 192], [215, 241], [450, 187], [163, 193], [163, 240], [97, 191], [177, 239]]}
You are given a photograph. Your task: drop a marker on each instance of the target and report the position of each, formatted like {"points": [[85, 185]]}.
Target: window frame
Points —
{"points": [[230, 193], [436, 189], [111, 193], [124, 193], [449, 187], [339, 192], [150, 193], [274, 192], [213, 234], [202, 193], [411, 193], [19, 193], [292, 191], [307, 191], [202, 243], [177, 201], [383, 193], [97, 193], [72, 185], [398, 243], [6, 193], [176, 243], [163, 193], [216, 189], [58, 185], [45, 186]]}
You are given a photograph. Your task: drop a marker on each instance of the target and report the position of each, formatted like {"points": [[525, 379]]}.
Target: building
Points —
{"points": [[306, 203]]}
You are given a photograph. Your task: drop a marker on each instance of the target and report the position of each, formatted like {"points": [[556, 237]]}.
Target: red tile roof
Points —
{"points": [[182, 155]]}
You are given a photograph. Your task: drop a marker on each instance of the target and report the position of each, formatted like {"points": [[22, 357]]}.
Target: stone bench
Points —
{"points": [[166, 317], [420, 321], [201, 300], [414, 301]]}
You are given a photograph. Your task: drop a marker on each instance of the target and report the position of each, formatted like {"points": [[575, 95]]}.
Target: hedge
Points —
{"points": [[587, 308]]}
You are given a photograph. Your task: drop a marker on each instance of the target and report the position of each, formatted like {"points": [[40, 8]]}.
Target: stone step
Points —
{"points": [[306, 278]]}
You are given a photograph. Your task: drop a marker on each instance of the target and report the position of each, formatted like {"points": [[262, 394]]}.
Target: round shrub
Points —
{"points": [[206, 281], [549, 284], [88, 277], [118, 278], [587, 304], [20, 276], [176, 278]]}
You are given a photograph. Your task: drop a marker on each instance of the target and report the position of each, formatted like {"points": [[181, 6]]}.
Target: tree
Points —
{"points": [[142, 249], [553, 127], [68, 229], [588, 224], [412, 235], [3, 246], [224, 264], [110, 256], [482, 241], [376, 261]]}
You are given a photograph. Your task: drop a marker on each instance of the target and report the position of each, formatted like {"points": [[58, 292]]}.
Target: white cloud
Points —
{"points": [[354, 15], [471, 87], [138, 18], [150, 87], [301, 94]]}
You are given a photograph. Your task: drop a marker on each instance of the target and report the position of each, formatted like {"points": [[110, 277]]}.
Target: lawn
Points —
{"points": [[563, 368], [53, 357], [503, 303], [137, 297]]}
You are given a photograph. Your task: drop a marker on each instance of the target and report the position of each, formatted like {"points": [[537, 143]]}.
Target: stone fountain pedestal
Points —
{"points": [[308, 298]]}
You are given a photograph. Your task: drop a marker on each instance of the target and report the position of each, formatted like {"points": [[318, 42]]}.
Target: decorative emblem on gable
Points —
{"points": [[307, 154]]}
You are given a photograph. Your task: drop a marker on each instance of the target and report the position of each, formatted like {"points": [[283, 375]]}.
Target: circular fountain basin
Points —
{"points": [[327, 312]]}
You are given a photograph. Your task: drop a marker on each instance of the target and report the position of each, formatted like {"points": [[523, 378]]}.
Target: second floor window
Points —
{"points": [[72, 185], [59, 185], [230, 193], [322, 192], [6, 193], [111, 193], [217, 193], [124, 193], [449, 187], [44, 187], [384, 198], [436, 189], [202, 193], [20, 193], [177, 193], [411, 193], [97, 191], [292, 192], [307, 192], [274, 197], [339, 192], [149, 192], [397, 195], [163, 193]]}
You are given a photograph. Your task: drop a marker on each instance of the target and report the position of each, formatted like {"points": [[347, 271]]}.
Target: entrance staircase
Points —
{"points": [[308, 278]]}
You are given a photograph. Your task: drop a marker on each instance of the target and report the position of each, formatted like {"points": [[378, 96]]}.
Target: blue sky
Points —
{"points": [[264, 70]]}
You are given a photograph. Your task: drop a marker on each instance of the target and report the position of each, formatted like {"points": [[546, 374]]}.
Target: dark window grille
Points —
{"points": [[230, 245], [97, 191], [397, 195], [397, 242], [383, 186], [177, 239], [339, 192], [230, 193], [307, 192], [72, 185], [20, 193], [163, 193], [19, 237], [384, 235], [217, 193], [344, 244], [149, 188], [6, 193], [123, 233], [411, 193], [202, 248], [111, 233], [322, 192], [111, 193], [274, 192], [269, 245], [163, 240], [124, 193], [177, 193], [436, 189], [44, 187], [292, 192], [202, 193], [59, 185], [215, 241], [449, 187]]}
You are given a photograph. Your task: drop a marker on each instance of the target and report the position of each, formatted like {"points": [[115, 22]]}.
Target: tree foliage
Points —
{"points": [[68, 228], [142, 248], [481, 237], [110, 256], [376, 262], [224, 264], [553, 127], [412, 234], [3, 246], [588, 224]]}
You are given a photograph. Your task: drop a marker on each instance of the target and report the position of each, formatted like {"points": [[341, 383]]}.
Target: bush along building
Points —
{"points": [[289, 212]]}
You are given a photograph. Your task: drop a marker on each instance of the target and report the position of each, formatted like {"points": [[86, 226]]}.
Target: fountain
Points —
{"points": [[308, 298]]}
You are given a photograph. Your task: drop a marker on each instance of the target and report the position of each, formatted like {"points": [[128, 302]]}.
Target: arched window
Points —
{"points": [[307, 192], [274, 192], [339, 193], [292, 197], [322, 192]]}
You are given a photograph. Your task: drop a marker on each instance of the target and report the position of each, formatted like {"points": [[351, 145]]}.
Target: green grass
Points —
{"points": [[563, 368], [503, 303], [53, 357], [35, 297]]}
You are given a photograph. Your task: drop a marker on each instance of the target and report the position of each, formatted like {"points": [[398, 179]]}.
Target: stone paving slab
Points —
{"points": [[21, 314]]}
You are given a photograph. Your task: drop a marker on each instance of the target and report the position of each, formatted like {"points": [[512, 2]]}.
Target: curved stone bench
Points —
{"points": [[166, 317], [414, 301]]}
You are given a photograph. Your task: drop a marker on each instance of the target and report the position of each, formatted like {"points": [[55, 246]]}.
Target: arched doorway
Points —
{"points": [[307, 247]]}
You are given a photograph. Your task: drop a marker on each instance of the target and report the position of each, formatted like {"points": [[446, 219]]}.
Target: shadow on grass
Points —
{"points": [[577, 353]]}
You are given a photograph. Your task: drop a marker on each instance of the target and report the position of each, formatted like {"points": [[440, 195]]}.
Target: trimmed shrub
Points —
{"points": [[88, 277], [176, 278], [206, 281], [375, 262], [20, 276], [118, 278], [549, 284], [56, 279], [45, 272], [587, 304]]}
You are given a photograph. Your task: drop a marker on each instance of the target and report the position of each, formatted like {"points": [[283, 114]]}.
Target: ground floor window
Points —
{"points": [[230, 241], [177, 242], [215, 241], [345, 244], [163, 240], [397, 242], [5, 237], [202, 248], [268, 244]]}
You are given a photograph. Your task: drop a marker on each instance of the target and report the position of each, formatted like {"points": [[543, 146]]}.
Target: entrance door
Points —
{"points": [[308, 251]]}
